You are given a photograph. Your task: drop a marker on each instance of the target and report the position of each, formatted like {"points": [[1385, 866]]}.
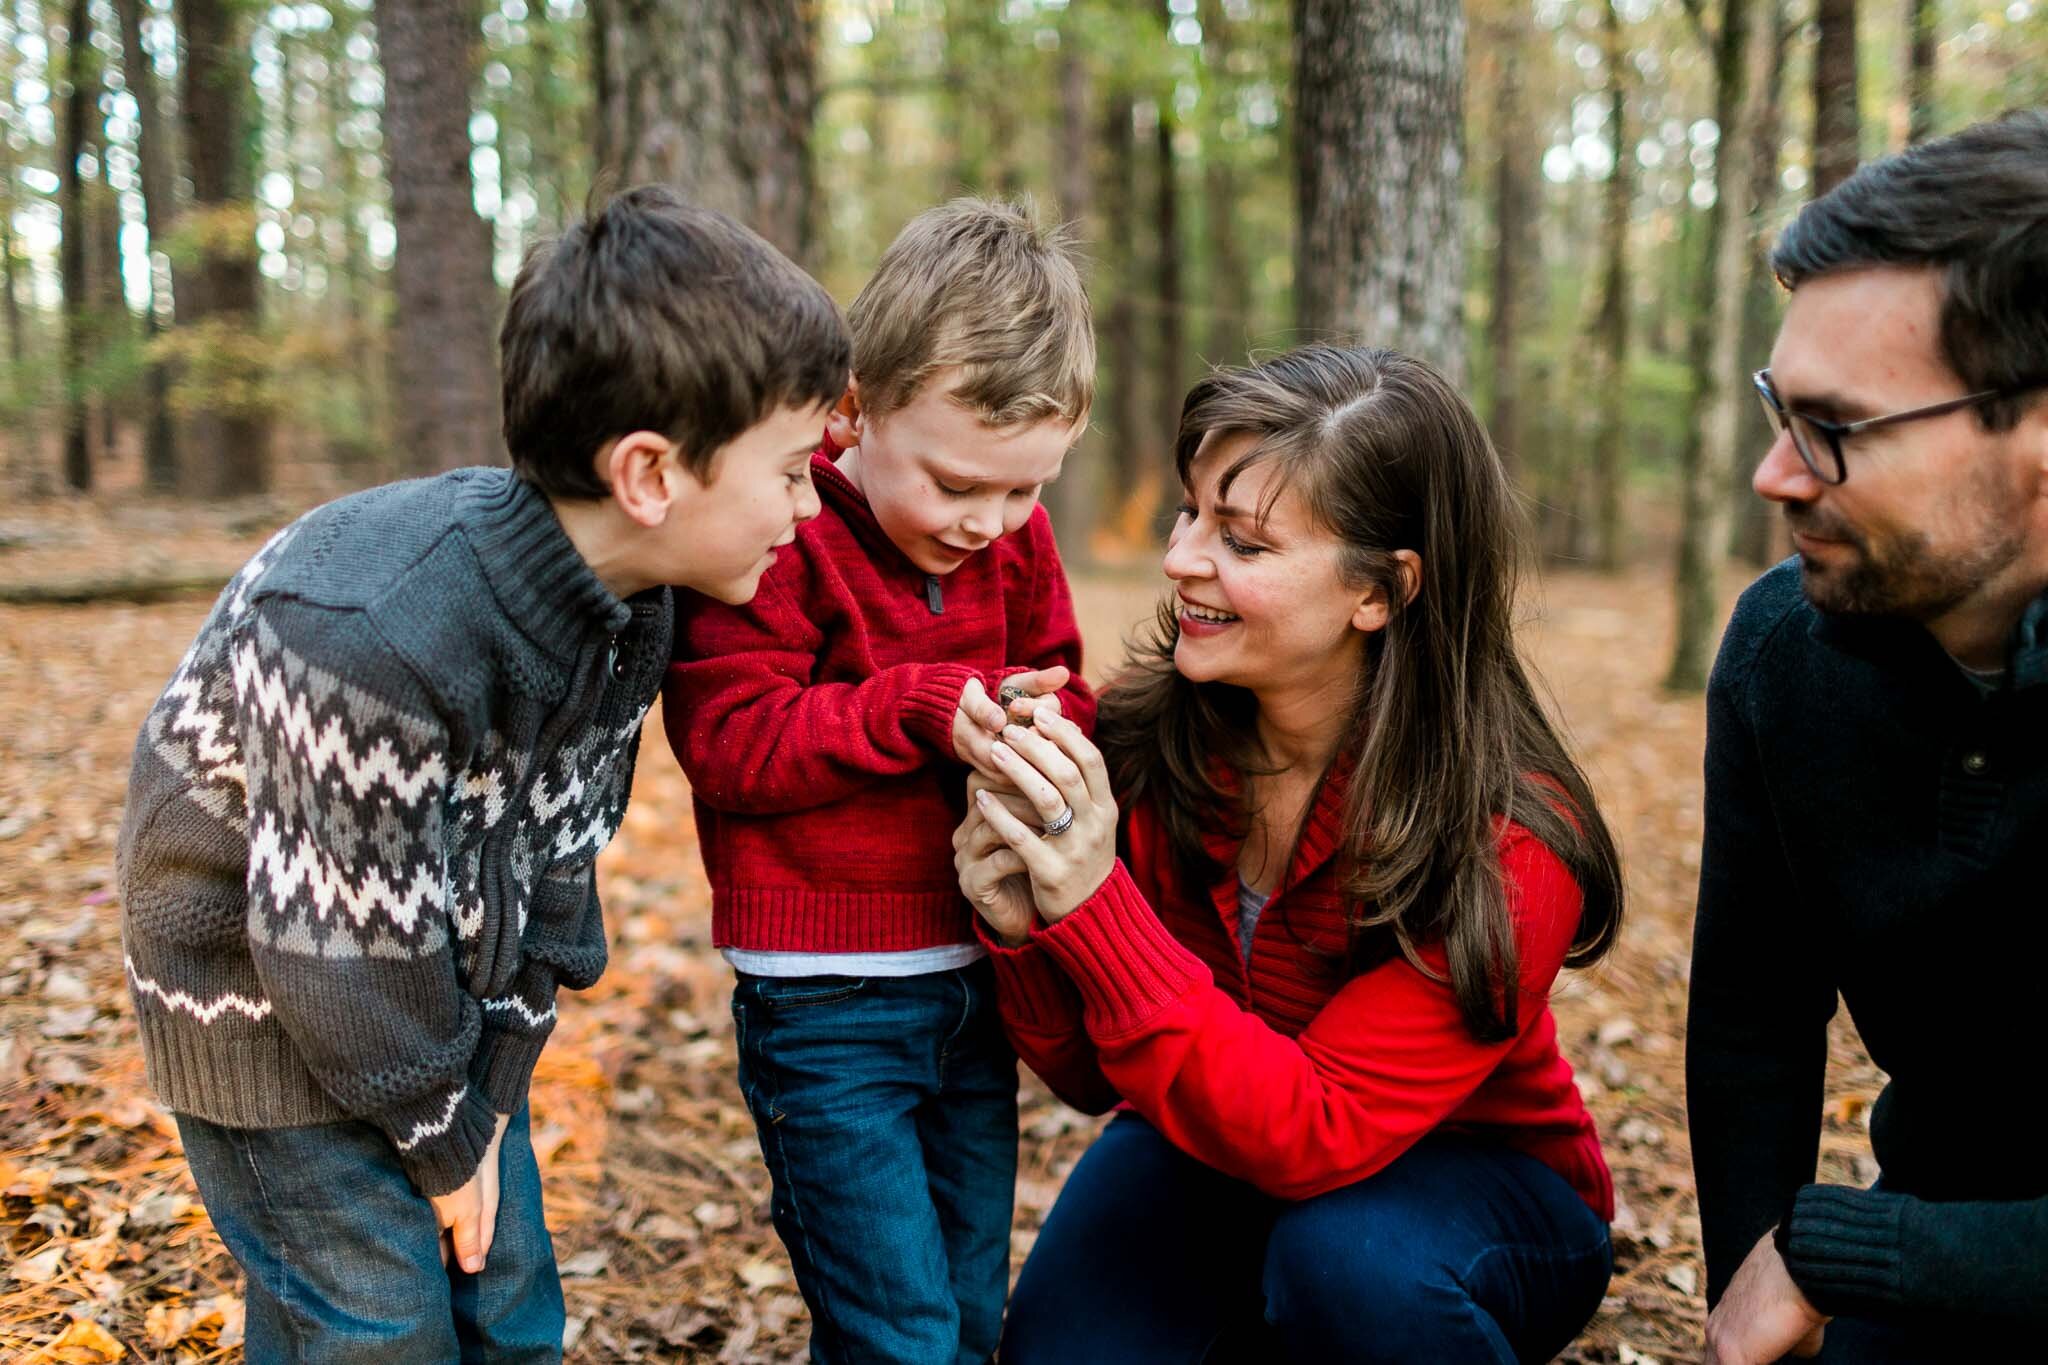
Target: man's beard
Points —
{"points": [[1902, 576]]}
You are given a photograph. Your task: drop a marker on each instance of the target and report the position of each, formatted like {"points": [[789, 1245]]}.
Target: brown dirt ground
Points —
{"points": [[655, 1187]]}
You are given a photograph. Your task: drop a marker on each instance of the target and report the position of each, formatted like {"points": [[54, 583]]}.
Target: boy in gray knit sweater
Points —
{"points": [[356, 863]]}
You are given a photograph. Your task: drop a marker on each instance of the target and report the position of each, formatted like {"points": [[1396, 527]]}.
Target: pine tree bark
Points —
{"points": [[1836, 121], [1127, 434], [1919, 70], [1610, 328], [444, 371], [1379, 155], [1229, 292], [1074, 495], [1742, 52], [1758, 528], [82, 77], [159, 209], [1170, 373], [229, 438], [714, 97]]}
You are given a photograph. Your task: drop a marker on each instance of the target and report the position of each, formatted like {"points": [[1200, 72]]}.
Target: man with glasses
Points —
{"points": [[1877, 782]]}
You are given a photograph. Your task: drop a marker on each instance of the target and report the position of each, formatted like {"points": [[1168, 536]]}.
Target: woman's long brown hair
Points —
{"points": [[1445, 734]]}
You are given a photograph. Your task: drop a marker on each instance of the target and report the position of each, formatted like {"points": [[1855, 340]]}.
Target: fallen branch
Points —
{"points": [[121, 588]]}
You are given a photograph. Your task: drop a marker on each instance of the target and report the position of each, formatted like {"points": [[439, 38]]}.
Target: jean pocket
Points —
{"points": [[795, 992]]}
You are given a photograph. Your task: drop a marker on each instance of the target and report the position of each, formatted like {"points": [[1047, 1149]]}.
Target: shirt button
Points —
{"points": [[1975, 764]]}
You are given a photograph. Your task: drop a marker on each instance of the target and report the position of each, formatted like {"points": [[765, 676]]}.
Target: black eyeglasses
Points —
{"points": [[1819, 441]]}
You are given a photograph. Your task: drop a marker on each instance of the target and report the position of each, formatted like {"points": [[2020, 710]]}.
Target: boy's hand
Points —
{"points": [[469, 1216], [978, 720]]}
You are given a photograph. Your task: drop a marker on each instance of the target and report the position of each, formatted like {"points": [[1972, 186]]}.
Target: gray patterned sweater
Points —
{"points": [[356, 861]]}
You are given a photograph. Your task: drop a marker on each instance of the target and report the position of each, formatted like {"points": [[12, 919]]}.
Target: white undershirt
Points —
{"points": [[910, 962]]}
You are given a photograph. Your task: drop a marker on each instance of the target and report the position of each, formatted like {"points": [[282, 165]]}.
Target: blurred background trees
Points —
{"points": [[247, 245]]}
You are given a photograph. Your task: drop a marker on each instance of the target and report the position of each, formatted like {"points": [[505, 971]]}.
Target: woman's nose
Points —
{"points": [[1184, 558]]}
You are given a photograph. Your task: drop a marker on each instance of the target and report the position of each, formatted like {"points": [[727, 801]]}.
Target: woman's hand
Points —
{"points": [[991, 874], [1063, 778]]}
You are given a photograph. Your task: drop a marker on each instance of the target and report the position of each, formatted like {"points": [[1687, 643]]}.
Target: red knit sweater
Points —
{"points": [[815, 726], [1288, 1076]]}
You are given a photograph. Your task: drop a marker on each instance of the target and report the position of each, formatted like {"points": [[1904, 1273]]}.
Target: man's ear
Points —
{"points": [[645, 475], [845, 423]]}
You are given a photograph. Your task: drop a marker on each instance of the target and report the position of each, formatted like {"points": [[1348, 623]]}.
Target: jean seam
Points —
{"points": [[298, 1345], [772, 1139]]}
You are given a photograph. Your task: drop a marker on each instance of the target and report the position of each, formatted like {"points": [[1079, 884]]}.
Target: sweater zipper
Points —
{"points": [[934, 596]]}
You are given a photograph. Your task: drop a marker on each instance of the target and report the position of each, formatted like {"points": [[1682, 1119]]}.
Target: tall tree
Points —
{"points": [[1127, 434], [1919, 70], [1379, 156], [80, 101], [159, 209], [715, 97], [230, 425], [1515, 263], [1742, 50], [1167, 279], [444, 372], [1229, 284], [1836, 122], [1074, 495], [1610, 327], [1758, 530]]}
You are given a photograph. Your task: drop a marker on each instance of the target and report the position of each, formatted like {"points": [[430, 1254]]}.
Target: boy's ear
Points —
{"points": [[642, 468], [844, 424]]}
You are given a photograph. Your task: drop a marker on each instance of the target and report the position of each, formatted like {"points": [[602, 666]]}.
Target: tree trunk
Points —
{"points": [[1919, 70], [82, 77], [1074, 495], [444, 372], [1230, 298], [159, 208], [1379, 120], [1516, 247], [1127, 433], [1610, 329], [1759, 529], [107, 287], [1742, 50], [231, 434], [1836, 126], [715, 97], [1170, 375]]}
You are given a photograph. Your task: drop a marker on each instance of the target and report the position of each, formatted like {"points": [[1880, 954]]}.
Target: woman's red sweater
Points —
{"points": [[1286, 1075]]}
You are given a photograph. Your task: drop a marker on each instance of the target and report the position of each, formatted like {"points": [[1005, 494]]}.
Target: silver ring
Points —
{"points": [[1060, 823]]}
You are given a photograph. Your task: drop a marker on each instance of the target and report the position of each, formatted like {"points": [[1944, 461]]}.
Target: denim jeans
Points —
{"points": [[343, 1254], [1460, 1251], [887, 1111]]}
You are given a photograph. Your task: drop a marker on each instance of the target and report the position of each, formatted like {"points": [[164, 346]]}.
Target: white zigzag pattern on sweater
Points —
{"points": [[517, 1006], [327, 745], [422, 1131], [304, 863], [221, 760], [178, 1000]]}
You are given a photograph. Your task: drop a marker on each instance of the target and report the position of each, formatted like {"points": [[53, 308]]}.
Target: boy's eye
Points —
{"points": [[953, 492], [1030, 492]]}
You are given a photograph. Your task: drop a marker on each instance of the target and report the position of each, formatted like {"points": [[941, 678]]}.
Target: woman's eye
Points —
{"points": [[1185, 510], [1240, 548]]}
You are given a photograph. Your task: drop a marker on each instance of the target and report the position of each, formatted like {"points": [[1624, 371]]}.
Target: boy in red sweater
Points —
{"points": [[817, 727]]}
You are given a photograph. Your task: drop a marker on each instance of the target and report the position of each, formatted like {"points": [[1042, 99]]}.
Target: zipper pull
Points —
{"points": [[611, 658], [934, 596]]}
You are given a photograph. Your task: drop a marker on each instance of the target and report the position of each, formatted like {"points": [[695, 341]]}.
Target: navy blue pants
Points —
{"points": [[887, 1111], [343, 1254], [1459, 1251]]}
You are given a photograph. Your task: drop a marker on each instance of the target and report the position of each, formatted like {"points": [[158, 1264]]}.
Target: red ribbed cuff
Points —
{"points": [[929, 706], [1036, 995], [1120, 957]]}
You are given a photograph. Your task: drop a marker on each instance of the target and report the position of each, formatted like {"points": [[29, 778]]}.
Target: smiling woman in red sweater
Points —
{"points": [[1354, 856]]}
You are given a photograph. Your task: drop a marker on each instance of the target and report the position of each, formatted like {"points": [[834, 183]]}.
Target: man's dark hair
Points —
{"points": [[653, 315], [1973, 205]]}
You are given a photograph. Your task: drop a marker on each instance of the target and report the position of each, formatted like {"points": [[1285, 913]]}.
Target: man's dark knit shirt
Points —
{"points": [[1875, 824]]}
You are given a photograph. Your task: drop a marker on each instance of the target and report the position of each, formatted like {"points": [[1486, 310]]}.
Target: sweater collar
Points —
{"points": [[542, 582], [1322, 833], [859, 515], [1893, 640]]}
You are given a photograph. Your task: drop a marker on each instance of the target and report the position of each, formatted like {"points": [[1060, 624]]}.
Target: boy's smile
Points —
{"points": [[942, 483]]}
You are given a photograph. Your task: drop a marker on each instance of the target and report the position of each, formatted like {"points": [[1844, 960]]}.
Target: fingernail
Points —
{"points": [[1000, 750], [981, 799], [1013, 731], [472, 1264]]}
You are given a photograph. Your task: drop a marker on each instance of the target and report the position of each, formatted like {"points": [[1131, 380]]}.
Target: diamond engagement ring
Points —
{"points": [[1060, 823]]}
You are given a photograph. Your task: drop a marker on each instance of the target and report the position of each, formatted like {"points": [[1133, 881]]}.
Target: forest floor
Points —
{"points": [[655, 1188]]}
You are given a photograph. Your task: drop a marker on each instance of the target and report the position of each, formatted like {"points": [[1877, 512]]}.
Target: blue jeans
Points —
{"points": [[887, 1110], [1460, 1251], [343, 1254]]}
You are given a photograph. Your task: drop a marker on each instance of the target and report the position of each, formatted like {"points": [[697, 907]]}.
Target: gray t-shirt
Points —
{"points": [[1250, 904]]}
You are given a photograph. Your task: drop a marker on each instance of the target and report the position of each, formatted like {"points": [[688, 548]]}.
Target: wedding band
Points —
{"points": [[1060, 823]]}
